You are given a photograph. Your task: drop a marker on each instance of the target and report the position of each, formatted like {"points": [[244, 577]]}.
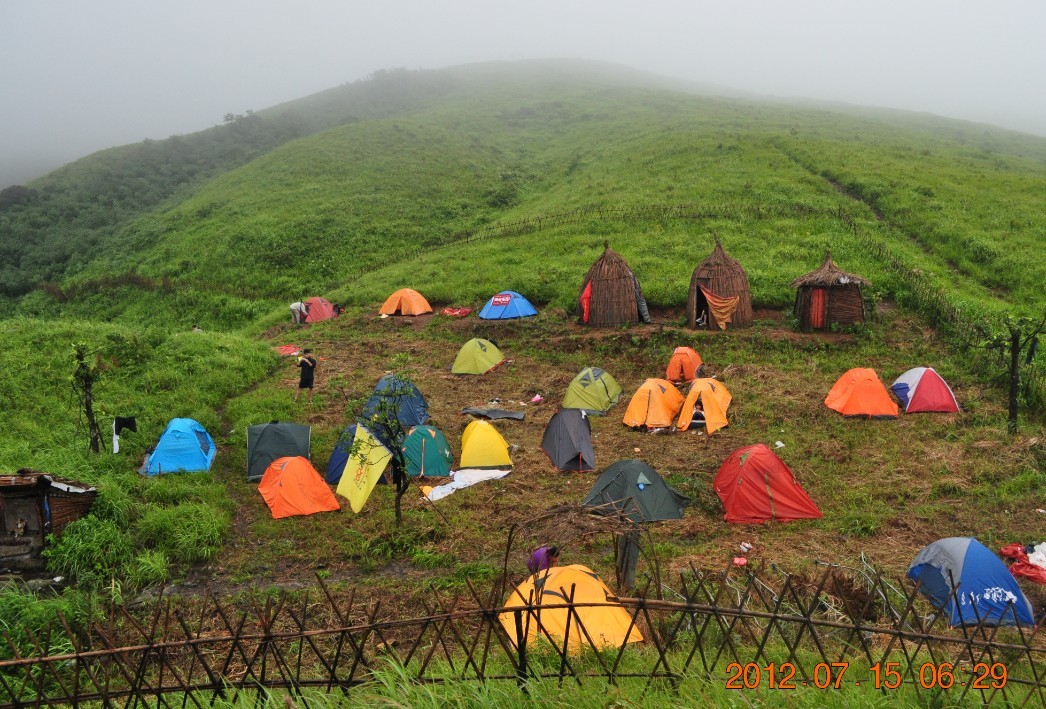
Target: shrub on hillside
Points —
{"points": [[91, 550], [186, 533]]}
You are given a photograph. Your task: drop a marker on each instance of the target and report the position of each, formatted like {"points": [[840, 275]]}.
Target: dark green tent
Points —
{"points": [[637, 491], [592, 390], [427, 453], [268, 441]]}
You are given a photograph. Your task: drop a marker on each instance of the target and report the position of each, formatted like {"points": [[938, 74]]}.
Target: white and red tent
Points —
{"points": [[923, 390]]}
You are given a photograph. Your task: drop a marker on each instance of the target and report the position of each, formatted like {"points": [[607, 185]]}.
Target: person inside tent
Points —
{"points": [[699, 411], [298, 312], [543, 558]]}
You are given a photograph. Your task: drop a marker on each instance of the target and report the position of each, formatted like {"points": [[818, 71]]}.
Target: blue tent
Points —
{"points": [[185, 446], [506, 305], [972, 585], [411, 408], [340, 455]]}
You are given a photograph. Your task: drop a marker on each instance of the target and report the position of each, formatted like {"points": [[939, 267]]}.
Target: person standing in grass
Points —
{"points": [[307, 364]]}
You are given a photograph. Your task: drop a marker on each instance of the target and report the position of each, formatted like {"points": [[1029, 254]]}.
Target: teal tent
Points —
{"points": [[427, 453]]}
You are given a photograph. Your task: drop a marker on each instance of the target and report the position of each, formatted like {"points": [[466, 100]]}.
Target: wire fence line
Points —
{"points": [[733, 626]]}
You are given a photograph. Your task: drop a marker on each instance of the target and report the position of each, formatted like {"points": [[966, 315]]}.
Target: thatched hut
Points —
{"points": [[33, 505], [610, 294], [828, 295], [719, 294]]}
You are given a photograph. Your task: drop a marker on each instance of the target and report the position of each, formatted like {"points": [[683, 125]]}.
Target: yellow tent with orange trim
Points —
{"points": [[405, 301], [655, 405], [606, 625], [715, 399]]}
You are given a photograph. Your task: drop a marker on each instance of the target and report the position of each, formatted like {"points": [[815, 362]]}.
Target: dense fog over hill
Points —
{"points": [[95, 75]]}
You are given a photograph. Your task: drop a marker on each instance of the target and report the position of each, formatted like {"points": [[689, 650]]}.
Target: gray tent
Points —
{"points": [[568, 441], [637, 491], [268, 441]]}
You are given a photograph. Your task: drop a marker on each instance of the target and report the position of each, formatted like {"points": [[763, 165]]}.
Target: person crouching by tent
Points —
{"points": [[307, 364], [542, 559], [298, 312]]}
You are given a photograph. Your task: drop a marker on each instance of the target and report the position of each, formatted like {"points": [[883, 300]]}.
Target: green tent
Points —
{"points": [[477, 356], [427, 453], [593, 390], [634, 489]]}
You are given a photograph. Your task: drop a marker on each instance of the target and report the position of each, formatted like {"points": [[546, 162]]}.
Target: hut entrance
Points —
{"points": [[818, 308], [701, 310], [719, 296]]}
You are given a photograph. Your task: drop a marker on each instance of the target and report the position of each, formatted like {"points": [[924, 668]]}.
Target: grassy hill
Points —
{"points": [[470, 180]]}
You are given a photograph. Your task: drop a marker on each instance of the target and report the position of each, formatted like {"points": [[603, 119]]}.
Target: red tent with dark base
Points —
{"points": [[756, 486]]}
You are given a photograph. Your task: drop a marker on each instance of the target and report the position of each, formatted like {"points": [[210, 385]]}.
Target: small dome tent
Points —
{"points": [[427, 453], [714, 399], [184, 446], [719, 290], [972, 585], [268, 441], [610, 294], [405, 301], [567, 441], [607, 624], [396, 396], [507, 305], [756, 486], [860, 393], [593, 390], [634, 489], [654, 405], [922, 390], [683, 366], [318, 309], [477, 356], [828, 295], [483, 447], [292, 487]]}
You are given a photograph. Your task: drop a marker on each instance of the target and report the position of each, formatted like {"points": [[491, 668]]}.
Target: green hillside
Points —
{"points": [[467, 181]]}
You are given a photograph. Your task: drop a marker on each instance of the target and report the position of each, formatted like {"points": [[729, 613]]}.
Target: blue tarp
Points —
{"points": [[506, 305], [185, 446]]}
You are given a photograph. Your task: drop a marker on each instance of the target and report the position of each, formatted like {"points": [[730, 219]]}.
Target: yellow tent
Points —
{"points": [[605, 625], [715, 400], [654, 405], [365, 465], [483, 447]]}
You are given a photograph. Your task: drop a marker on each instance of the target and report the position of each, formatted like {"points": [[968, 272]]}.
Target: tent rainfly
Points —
{"points": [[610, 294], [592, 390], [719, 289], [268, 441], [405, 301], [828, 295], [568, 441]]}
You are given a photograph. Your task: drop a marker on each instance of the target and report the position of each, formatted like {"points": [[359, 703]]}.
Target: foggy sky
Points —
{"points": [[81, 76]]}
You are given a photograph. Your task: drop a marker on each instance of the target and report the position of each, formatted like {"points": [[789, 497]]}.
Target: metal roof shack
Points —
{"points": [[32, 505]]}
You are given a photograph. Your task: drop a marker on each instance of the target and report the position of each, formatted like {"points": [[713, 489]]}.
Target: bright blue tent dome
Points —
{"points": [[972, 585], [506, 305], [185, 446]]}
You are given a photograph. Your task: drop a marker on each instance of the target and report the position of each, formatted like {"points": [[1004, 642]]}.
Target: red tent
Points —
{"points": [[318, 309], [756, 486]]}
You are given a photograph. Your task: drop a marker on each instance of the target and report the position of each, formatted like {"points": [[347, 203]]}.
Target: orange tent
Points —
{"points": [[291, 486], [683, 365], [655, 405], [405, 302], [715, 400], [860, 393]]}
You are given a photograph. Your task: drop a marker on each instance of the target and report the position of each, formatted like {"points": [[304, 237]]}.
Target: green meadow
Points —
{"points": [[464, 182]]}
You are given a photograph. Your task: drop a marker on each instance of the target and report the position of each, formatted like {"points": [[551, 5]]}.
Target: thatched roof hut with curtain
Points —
{"points": [[719, 295], [610, 294], [828, 295]]}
